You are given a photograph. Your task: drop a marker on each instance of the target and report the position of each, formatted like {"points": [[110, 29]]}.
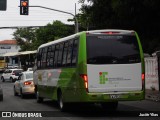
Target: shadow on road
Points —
{"points": [[88, 110]]}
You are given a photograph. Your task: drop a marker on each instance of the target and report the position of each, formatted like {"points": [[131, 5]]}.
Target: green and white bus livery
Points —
{"points": [[101, 66]]}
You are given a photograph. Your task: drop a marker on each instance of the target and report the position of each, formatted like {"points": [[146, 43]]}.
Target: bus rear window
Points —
{"points": [[112, 49]]}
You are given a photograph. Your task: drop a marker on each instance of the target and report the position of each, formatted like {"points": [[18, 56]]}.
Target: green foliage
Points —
{"points": [[31, 39], [24, 37], [142, 16]]}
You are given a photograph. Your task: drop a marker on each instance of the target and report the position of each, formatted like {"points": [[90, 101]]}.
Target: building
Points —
{"points": [[8, 46]]}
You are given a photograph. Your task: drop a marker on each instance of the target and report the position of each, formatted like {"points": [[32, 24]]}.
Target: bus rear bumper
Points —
{"points": [[117, 96]]}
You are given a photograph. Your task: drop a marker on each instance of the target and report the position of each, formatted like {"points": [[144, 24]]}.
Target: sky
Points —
{"points": [[37, 16]]}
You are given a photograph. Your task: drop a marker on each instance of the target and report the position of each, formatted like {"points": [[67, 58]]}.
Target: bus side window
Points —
{"points": [[59, 59], [53, 54], [65, 49], [39, 59], [74, 52], [56, 55], [50, 54], [68, 63], [43, 60]]}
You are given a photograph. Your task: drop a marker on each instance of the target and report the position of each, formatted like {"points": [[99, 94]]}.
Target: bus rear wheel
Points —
{"points": [[110, 106], [38, 98], [62, 104]]}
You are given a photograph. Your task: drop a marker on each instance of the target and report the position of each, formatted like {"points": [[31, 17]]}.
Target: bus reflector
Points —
{"points": [[85, 78], [143, 77]]}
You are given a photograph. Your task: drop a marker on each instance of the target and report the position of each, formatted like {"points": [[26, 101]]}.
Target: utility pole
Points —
{"points": [[76, 21]]}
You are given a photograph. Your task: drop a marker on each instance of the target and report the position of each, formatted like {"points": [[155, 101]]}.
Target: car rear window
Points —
{"points": [[112, 49], [17, 72], [29, 75]]}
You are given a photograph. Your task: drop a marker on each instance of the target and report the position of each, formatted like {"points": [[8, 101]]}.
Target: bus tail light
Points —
{"points": [[143, 78], [85, 78], [110, 33]]}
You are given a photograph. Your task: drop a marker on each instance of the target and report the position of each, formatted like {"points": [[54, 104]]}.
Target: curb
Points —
{"points": [[153, 98], [152, 95]]}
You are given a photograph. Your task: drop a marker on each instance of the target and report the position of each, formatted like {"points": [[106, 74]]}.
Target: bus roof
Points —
{"points": [[112, 30], [92, 31], [60, 40]]}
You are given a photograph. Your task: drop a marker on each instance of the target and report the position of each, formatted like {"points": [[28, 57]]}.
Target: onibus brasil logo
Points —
{"points": [[103, 77]]}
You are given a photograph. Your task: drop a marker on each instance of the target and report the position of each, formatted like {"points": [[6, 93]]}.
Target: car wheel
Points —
{"points": [[38, 98], [2, 78], [11, 79], [62, 104], [15, 93], [1, 97], [21, 93]]}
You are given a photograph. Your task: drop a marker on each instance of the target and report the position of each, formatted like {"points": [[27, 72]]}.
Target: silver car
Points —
{"points": [[24, 85]]}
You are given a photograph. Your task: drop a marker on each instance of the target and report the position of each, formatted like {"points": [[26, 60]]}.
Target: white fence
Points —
{"points": [[151, 73]]}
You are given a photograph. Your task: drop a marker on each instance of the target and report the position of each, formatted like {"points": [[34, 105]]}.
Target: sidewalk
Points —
{"points": [[152, 95]]}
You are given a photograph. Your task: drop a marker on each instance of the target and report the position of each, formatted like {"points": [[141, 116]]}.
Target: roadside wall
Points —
{"points": [[151, 73]]}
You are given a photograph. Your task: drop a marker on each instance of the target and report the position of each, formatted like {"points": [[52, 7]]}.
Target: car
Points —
{"points": [[30, 69], [24, 85], [11, 74], [1, 93], [12, 66]]}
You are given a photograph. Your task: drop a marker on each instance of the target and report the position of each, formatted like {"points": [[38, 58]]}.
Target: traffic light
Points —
{"points": [[24, 9]]}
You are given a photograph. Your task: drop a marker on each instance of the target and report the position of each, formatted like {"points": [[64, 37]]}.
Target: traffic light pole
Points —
{"points": [[76, 21]]}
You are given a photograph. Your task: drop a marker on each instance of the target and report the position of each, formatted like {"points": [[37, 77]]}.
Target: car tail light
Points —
{"points": [[27, 83], [85, 78]]}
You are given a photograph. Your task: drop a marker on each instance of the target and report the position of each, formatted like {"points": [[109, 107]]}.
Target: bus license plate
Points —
{"points": [[115, 96]]}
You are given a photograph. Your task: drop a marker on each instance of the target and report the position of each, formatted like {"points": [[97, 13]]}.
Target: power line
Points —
{"points": [[16, 27]]}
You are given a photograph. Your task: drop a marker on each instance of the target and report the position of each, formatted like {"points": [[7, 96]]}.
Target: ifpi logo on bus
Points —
{"points": [[103, 77]]}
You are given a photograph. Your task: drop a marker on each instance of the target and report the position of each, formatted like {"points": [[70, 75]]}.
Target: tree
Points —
{"points": [[31, 39], [139, 15], [24, 37]]}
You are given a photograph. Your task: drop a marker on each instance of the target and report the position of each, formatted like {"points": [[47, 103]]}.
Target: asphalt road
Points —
{"points": [[128, 110]]}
